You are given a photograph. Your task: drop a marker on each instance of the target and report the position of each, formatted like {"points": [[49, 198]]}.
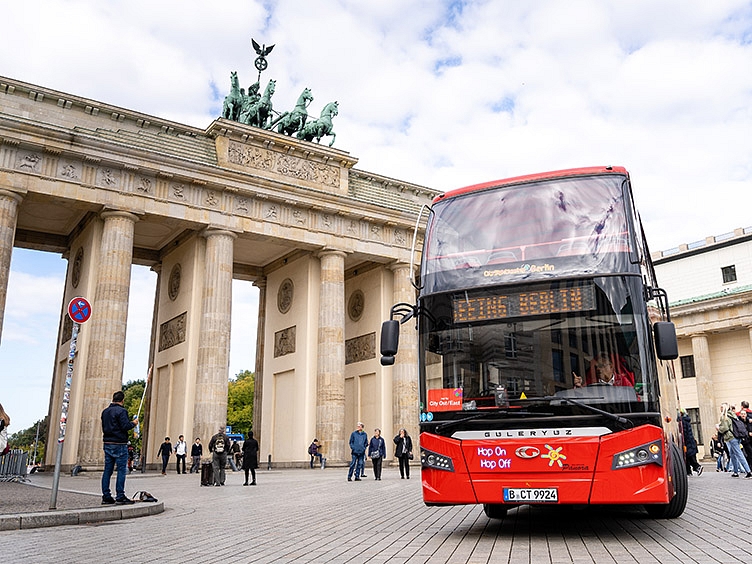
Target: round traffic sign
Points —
{"points": [[79, 310]]}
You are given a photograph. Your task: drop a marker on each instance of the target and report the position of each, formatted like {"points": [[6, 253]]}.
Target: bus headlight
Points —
{"points": [[429, 459], [650, 453]]}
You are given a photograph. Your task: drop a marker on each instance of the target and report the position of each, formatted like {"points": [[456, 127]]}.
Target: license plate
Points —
{"points": [[531, 495]]}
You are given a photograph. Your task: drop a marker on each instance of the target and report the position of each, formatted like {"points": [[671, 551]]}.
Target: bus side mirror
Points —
{"points": [[666, 346], [389, 341]]}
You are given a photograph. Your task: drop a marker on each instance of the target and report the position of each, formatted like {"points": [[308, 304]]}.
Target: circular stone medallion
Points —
{"points": [[173, 286], [355, 305], [284, 296]]}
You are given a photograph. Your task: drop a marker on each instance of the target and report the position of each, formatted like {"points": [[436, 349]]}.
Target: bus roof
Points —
{"points": [[585, 171]]}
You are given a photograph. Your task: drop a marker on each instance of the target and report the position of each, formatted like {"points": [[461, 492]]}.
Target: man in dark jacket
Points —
{"points": [[219, 446], [358, 445], [690, 444], [115, 427]]}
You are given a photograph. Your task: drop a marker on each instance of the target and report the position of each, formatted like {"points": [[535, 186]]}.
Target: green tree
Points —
{"points": [[25, 438], [240, 401], [134, 391]]}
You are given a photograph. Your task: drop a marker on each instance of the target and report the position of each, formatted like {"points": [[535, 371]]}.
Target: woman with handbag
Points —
{"points": [[377, 452], [404, 452]]}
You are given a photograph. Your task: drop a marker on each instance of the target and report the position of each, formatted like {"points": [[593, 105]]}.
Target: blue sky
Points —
{"points": [[439, 93]]}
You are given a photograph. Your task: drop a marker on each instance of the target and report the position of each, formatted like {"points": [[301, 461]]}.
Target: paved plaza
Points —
{"points": [[306, 515]]}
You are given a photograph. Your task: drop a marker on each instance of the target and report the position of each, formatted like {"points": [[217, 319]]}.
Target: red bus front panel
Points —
{"points": [[581, 469]]}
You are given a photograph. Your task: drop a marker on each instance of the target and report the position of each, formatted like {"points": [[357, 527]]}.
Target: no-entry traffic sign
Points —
{"points": [[79, 310]]}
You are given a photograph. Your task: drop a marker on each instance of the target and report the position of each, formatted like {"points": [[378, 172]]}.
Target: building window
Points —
{"points": [[510, 345], [557, 360], [729, 274], [694, 415], [687, 366]]}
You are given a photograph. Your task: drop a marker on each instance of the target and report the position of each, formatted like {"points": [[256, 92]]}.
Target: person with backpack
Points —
{"points": [[219, 446], [732, 429], [313, 450]]}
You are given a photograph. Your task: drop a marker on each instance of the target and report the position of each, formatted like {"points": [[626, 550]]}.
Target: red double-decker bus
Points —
{"points": [[543, 348]]}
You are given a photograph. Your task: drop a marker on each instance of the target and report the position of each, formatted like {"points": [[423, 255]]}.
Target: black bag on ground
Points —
{"points": [[144, 496], [207, 474]]}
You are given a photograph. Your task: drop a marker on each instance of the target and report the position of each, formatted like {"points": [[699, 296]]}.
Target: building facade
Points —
{"points": [[709, 286]]}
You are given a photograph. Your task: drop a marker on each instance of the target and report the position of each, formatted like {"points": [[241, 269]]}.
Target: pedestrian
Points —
{"points": [[313, 450], [235, 453], [197, 450], [404, 452], [4, 422], [250, 458], [729, 421], [115, 427], [181, 450], [165, 450], [377, 452], [690, 444], [745, 415], [358, 445], [718, 449], [219, 446], [131, 456]]}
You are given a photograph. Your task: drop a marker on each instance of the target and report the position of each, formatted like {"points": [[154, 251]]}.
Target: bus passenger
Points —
{"points": [[606, 369]]}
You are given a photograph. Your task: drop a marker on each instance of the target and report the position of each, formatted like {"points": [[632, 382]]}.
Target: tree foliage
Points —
{"points": [[240, 401], [25, 438]]}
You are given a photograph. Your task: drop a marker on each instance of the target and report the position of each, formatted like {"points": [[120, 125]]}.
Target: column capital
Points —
{"points": [[331, 252], [260, 283], [107, 214], [216, 232], [11, 194]]}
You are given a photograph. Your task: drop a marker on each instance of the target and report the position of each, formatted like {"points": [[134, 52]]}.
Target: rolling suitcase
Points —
{"points": [[207, 474]]}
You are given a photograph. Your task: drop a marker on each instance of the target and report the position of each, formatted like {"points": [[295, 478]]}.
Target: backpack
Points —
{"points": [[310, 449], [739, 429], [219, 444]]}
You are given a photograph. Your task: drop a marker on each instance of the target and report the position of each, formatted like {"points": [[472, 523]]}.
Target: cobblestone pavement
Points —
{"points": [[314, 515]]}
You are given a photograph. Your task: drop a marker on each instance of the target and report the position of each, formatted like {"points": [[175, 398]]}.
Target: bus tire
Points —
{"points": [[494, 510], [676, 506]]}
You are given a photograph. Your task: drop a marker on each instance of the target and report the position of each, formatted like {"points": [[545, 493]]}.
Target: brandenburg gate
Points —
{"points": [[327, 245]]}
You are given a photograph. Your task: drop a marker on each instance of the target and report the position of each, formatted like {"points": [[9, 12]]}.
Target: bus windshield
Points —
{"points": [[489, 348], [550, 228]]}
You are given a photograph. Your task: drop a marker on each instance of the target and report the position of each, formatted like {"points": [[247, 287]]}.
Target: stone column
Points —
{"points": [[406, 412], [709, 413], [106, 329], [330, 383], [258, 384], [213, 363], [9, 202]]}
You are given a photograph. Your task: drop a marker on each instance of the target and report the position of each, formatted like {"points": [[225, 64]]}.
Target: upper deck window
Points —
{"points": [[552, 228]]}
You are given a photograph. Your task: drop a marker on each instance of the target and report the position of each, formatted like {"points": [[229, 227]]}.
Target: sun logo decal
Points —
{"points": [[554, 455]]}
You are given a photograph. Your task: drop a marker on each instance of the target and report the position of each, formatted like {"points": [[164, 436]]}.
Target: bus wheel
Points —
{"points": [[494, 511], [676, 506]]}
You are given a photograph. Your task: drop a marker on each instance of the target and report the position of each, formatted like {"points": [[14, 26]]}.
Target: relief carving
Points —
{"points": [[69, 170], [108, 177], [212, 199], [252, 157], [241, 205], [178, 191], [360, 348], [284, 342], [144, 185], [29, 161], [172, 332]]}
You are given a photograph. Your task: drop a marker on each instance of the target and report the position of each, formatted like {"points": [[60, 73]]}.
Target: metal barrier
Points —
{"points": [[13, 466]]}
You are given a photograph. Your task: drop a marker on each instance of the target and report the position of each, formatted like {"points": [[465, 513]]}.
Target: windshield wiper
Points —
{"points": [[613, 416], [446, 424]]}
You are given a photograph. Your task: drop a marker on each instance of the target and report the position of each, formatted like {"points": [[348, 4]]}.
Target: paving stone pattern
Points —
{"points": [[313, 515]]}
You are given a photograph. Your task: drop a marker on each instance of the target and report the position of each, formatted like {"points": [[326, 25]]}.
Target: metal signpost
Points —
{"points": [[79, 310]]}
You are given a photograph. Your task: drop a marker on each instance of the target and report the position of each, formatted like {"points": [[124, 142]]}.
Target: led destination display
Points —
{"points": [[521, 304]]}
